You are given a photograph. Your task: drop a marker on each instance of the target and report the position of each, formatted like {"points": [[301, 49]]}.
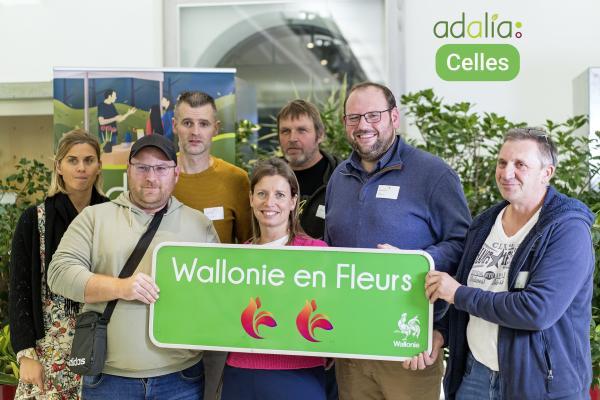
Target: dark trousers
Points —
{"points": [[264, 384]]}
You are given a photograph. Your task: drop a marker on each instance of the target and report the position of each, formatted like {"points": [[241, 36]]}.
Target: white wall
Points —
{"points": [[560, 40], [36, 35]]}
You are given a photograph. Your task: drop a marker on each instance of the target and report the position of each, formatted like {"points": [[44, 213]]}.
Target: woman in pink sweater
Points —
{"points": [[274, 195]]}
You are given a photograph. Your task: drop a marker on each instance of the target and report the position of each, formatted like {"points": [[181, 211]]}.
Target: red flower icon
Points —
{"points": [[251, 322], [306, 327]]}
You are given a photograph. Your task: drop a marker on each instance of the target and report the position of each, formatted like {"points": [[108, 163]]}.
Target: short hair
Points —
{"points": [[297, 108], [195, 99], [67, 141], [108, 93], [540, 136], [387, 93], [277, 167]]}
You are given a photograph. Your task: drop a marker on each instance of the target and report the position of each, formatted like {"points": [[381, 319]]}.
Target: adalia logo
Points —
{"points": [[307, 325], [477, 61], [488, 27], [251, 322], [412, 328]]}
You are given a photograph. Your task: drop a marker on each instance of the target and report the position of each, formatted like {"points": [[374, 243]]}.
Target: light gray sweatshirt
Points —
{"points": [[99, 241]]}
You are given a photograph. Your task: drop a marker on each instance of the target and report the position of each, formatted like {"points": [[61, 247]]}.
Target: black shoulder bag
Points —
{"points": [[88, 351]]}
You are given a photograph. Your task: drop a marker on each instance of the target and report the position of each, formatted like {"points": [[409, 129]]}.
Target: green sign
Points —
{"points": [[477, 62], [333, 302]]}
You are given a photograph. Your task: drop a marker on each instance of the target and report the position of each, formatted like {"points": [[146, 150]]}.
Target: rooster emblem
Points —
{"points": [[410, 328]]}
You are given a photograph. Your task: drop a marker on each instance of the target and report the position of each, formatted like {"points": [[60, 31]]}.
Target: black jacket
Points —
{"points": [[312, 224], [25, 302]]}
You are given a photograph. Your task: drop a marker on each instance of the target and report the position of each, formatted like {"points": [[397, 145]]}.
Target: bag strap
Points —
{"points": [[41, 217], [135, 257]]}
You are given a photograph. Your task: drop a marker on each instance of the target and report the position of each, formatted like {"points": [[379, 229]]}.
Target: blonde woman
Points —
{"points": [[42, 322]]}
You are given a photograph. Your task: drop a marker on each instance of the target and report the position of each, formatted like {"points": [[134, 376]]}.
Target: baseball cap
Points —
{"points": [[158, 141]]}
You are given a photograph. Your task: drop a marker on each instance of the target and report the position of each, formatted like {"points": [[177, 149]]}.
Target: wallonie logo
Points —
{"points": [[478, 61]]}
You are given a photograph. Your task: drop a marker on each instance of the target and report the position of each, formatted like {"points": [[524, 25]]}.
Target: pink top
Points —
{"points": [[277, 361]]}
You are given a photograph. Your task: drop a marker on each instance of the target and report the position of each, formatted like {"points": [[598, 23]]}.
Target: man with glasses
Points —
{"points": [[90, 257], [519, 324], [388, 193], [209, 184]]}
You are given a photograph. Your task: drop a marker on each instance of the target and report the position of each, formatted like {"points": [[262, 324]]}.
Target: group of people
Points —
{"points": [[511, 289]]}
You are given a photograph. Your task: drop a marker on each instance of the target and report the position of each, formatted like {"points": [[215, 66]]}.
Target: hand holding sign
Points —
{"points": [[426, 359], [139, 287], [440, 285]]}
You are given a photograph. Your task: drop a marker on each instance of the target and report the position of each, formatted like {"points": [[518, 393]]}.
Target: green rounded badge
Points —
{"points": [[477, 62]]}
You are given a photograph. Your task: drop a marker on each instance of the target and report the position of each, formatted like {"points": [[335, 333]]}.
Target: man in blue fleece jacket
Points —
{"points": [[520, 320], [389, 192]]}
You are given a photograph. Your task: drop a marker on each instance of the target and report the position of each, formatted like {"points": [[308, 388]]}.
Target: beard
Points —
{"points": [[296, 161], [374, 151], [299, 160]]}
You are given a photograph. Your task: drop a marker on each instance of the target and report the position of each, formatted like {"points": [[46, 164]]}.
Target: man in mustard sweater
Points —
{"points": [[209, 184], [206, 183]]}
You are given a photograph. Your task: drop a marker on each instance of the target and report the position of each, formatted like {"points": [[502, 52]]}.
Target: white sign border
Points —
{"points": [[286, 352]]}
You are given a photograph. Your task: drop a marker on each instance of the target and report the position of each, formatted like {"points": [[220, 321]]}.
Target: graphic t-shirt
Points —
{"points": [[490, 273]]}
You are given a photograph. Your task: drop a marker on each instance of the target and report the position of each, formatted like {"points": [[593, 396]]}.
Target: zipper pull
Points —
{"points": [[550, 376]]}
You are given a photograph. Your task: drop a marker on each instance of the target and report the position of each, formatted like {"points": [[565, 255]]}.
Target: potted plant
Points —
{"points": [[9, 371], [595, 327], [27, 185]]}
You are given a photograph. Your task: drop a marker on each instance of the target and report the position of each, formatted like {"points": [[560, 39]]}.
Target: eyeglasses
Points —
{"points": [[371, 117], [144, 169]]}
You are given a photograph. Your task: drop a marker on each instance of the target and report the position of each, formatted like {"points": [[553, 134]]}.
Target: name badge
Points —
{"points": [[214, 213], [321, 211], [521, 280], [387, 192]]}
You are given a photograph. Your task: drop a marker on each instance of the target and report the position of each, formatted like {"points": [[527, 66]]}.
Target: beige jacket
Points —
{"points": [[99, 241]]}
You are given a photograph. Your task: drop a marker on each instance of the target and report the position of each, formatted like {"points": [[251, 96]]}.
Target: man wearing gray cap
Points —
{"points": [[90, 257]]}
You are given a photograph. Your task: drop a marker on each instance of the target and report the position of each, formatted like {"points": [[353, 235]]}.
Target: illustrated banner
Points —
{"points": [[122, 105], [334, 302]]}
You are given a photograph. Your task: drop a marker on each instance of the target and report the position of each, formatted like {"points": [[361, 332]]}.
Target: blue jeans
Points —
{"points": [[479, 382], [186, 384]]}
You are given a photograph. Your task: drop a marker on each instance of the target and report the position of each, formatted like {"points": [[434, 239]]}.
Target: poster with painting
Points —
{"points": [[121, 106]]}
